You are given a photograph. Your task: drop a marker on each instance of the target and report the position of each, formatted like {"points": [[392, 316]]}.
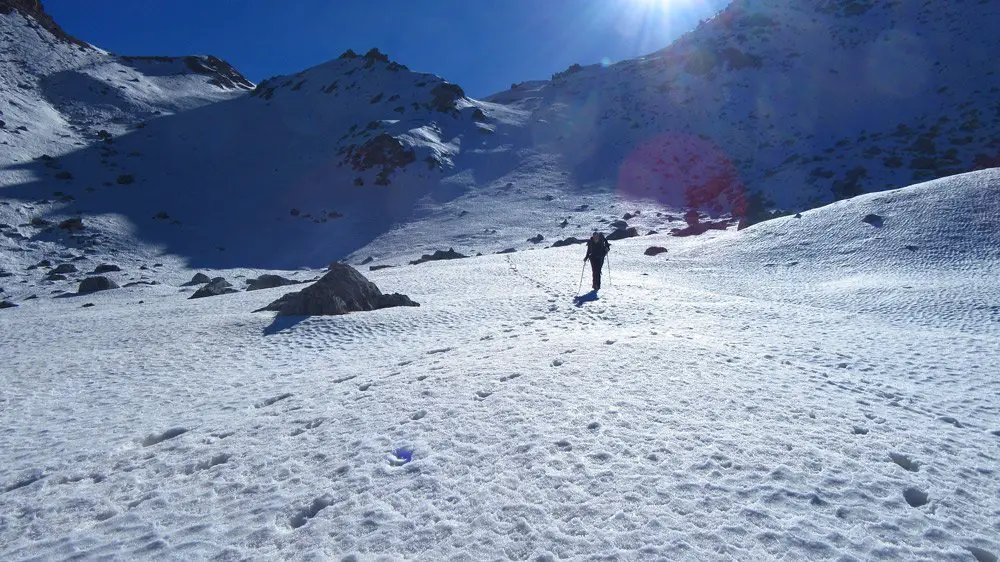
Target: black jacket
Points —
{"points": [[597, 250]]}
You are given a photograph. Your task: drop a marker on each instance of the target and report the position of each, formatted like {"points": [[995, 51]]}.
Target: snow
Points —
{"points": [[781, 392]]}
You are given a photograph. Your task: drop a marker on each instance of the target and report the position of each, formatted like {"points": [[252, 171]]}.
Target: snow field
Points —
{"points": [[704, 407]]}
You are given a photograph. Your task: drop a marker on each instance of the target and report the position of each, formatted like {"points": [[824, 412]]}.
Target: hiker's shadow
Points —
{"points": [[589, 297]]}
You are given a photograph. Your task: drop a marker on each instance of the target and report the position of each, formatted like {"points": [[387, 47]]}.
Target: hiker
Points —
{"points": [[597, 249]]}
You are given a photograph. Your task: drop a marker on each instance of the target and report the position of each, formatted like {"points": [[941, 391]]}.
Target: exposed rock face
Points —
{"points": [[94, 284], [35, 10], [343, 289], [216, 287], [268, 281], [451, 254], [222, 74]]}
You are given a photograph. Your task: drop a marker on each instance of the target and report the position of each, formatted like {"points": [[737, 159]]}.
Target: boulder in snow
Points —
{"points": [[536, 239], [214, 288], [622, 233], [268, 281], [106, 268], [198, 279], [64, 268], [75, 223], [567, 242], [451, 254], [654, 250], [343, 289], [7, 304], [94, 284]]}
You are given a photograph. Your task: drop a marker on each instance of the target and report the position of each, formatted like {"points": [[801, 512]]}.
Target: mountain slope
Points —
{"points": [[798, 102], [769, 104], [58, 93]]}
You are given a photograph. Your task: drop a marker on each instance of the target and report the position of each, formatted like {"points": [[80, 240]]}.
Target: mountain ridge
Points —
{"points": [[753, 110]]}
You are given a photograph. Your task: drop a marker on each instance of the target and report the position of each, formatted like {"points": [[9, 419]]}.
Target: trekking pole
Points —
{"points": [[608, 259], [582, 271]]}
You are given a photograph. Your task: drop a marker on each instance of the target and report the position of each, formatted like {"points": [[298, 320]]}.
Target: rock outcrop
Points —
{"points": [[342, 290]]}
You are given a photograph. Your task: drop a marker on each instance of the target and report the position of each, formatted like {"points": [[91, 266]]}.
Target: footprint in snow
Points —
{"points": [[915, 497], [905, 462]]}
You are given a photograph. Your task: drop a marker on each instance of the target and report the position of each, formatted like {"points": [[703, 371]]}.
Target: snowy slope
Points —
{"points": [[769, 104], [793, 104], [808, 388]]}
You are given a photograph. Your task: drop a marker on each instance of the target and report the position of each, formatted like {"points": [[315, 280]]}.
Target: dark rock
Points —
{"points": [[5, 273], [87, 305], [43, 263], [536, 239], [567, 242], [622, 233], [106, 268], [651, 232], [619, 225], [378, 267], [438, 255], [654, 250], [55, 277], [75, 223], [874, 220], [198, 279], [39, 222], [341, 290], [507, 251], [580, 208], [564, 223], [7, 304], [268, 281], [367, 260], [798, 215], [215, 287], [94, 284]]}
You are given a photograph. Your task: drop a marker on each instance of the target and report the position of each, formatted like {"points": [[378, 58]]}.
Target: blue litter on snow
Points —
{"points": [[403, 456]]}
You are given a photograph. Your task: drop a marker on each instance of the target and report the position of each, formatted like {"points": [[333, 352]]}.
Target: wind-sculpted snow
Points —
{"points": [[745, 395]]}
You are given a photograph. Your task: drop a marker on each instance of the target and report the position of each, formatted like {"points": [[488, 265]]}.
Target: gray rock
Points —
{"points": [[654, 250], [7, 304], [451, 254], [64, 268], [619, 225], [198, 279], [619, 234], [106, 268], [536, 239], [268, 281], [567, 242], [214, 288], [94, 284], [343, 289]]}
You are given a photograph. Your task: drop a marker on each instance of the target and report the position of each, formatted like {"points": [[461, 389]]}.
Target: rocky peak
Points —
{"points": [[35, 10]]}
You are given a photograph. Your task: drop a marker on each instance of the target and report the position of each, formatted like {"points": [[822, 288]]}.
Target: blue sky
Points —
{"points": [[482, 45]]}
